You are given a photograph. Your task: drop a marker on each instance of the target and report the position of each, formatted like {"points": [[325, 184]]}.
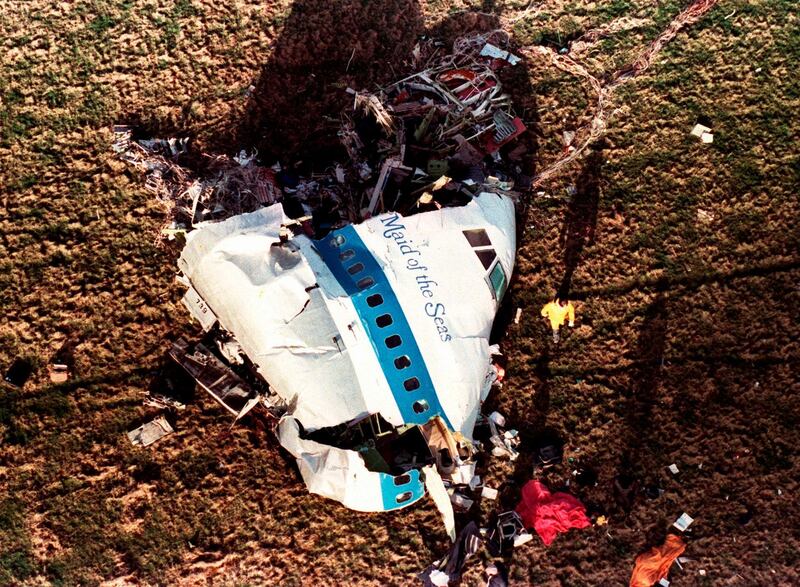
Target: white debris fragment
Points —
{"points": [[683, 522], [439, 578], [244, 159], [703, 133], [147, 434], [663, 583], [699, 129], [518, 315], [498, 418], [495, 52], [463, 473], [489, 492], [199, 309], [673, 468], [702, 572], [522, 538]]}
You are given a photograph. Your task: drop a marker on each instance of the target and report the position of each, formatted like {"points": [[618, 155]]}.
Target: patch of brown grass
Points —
{"points": [[686, 349]]}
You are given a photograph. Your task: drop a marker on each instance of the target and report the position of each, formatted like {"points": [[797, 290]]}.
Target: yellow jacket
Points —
{"points": [[557, 313]]}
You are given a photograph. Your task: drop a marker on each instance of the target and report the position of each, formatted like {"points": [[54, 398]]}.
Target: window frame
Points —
{"points": [[497, 296]]}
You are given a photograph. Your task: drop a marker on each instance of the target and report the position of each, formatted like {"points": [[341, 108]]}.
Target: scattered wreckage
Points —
{"points": [[357, 304]]}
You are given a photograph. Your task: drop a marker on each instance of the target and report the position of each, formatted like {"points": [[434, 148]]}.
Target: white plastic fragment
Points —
{"points": [[699, 129], [463, 473], [702, 572], [439, 578], [663, 583], [673, 468], [522, 538], [518, 315], [498, 418], [683, 522], [489, 492], [495, 52], [707, 137]]}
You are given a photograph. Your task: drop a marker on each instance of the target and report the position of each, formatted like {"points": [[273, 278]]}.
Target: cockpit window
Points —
{"points": [[477, 238], [498, 281], [487, 257]]}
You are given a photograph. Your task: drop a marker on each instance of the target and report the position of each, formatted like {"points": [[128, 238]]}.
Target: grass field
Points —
{"points": [[683, 256]]}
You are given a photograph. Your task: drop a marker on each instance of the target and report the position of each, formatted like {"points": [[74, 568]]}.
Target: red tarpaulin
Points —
{"points": [[653, 565], [550, 513]]}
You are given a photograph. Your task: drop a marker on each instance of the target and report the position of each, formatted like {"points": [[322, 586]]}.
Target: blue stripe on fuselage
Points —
{"points": [[361, 277]]}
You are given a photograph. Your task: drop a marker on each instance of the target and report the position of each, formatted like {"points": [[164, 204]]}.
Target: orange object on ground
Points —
{"points": [[653, 565]]}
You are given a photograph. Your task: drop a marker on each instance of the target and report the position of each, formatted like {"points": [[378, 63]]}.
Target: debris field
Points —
{"points": [[649, 152]]}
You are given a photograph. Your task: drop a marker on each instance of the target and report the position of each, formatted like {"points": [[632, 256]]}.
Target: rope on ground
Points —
{"points": [[605, 89]]}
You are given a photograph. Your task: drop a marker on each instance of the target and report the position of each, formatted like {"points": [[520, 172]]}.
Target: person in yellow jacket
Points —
{"points": [[557, 312]]}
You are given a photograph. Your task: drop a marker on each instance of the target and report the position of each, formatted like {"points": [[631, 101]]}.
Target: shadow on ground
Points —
{"points": [[580, 222]]}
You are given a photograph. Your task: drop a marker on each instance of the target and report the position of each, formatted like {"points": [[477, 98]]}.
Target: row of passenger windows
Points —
{"points": [[354, 269], [373, 301]]}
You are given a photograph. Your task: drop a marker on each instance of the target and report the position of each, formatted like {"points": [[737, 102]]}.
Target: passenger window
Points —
{"points": [[486, 257], [498, 281], [383, 320], [477, 238], [374, 300], [411, 384], [393, 341], [402, 362], [347, 255], [365, 282], [402, 479], [355, 268], [420, 406], [404, 497]]}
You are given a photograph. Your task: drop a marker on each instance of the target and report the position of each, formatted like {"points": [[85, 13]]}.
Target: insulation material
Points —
{"points": [[438, 493]]}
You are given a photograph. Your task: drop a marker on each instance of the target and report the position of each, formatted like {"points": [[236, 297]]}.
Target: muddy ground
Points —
{"points": [[683, 256]]}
